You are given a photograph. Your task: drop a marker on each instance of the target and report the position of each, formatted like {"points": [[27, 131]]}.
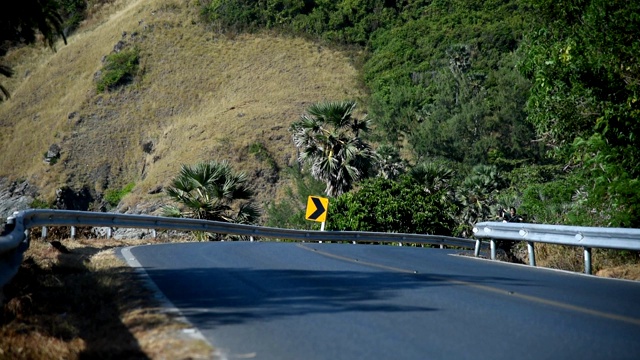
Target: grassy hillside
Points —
{"points": [[201, 96]]}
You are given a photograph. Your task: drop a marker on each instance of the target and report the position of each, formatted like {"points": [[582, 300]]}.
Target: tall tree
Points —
{"points": [[329, 141]]}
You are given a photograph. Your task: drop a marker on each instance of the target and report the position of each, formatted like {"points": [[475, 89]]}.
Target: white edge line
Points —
{"points": [[166, 304]]}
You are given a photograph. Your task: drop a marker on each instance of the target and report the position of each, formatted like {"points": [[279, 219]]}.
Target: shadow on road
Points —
{"points": [[222, 296]]}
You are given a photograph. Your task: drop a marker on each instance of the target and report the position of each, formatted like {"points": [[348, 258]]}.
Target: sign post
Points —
{"points": [[317, 210]]}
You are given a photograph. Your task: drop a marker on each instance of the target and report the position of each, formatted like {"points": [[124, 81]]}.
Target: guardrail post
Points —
{"points": [[73, 232], [154, 233], [44, 232], [493, 249], [532, 253], [109, 233], [587, 260], [476, 252]]}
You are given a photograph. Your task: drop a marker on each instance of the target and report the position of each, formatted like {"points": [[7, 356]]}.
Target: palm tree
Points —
{"points": [[434, 176], [389, 164], [329, 143], [476, 195], [211, 191]]}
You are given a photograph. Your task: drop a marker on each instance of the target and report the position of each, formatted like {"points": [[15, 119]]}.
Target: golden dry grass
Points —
{"points": [[202, 96], [86, 303], [604, 262]]}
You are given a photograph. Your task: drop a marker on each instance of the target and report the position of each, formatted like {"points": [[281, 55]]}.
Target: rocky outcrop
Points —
{"points": [[69, 199], [15, 196]]}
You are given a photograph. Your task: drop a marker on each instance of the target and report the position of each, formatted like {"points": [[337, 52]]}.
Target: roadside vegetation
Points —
{"points": [[524, 101]]}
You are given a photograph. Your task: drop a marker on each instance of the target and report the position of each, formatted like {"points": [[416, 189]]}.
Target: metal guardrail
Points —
{"points": [[13, 245], [582, 236]]}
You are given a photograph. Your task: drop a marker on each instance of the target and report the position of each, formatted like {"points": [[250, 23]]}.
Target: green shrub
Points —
{"points": [[39, 204], [383, 205], [233, 15], [119, 69], [113, 196]]}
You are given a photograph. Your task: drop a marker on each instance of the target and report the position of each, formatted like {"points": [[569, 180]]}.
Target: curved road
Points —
{"points": [[267, 300]]}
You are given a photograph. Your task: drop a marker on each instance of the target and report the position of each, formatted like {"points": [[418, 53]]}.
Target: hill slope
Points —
{"points": [[201, 96]]}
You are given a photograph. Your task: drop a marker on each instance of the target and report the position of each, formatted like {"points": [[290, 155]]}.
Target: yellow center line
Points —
{"points": [[487, 288]]}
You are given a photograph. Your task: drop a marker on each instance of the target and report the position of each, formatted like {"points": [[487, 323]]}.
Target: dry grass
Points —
{"points": [[604, 262], [201, 96], [86, 303]]}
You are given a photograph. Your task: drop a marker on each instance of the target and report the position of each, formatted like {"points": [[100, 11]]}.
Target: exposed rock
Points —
{"points": [[54, 151], [53, 154], [119, 46], [15, 196], [69, 199]]}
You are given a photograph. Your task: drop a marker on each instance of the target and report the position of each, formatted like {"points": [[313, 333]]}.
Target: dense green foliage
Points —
{"points": [[545, 91], [384, 205], [584, 62], [446, 82]]}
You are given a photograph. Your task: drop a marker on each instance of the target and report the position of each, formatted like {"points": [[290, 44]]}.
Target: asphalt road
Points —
{"points": [[262, 300]]}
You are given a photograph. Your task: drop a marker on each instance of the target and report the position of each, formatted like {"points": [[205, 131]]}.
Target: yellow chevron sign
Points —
{"points": [[317, 209]]}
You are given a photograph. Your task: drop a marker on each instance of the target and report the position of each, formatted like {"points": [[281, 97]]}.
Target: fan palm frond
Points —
{"points": [[208, 191]]}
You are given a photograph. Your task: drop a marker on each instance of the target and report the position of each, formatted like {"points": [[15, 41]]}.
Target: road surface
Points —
{"points": [[269, 300]]}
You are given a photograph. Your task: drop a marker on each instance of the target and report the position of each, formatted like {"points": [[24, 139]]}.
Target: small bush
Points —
{"points": [[120, 69], [113, 196], [39, 204]]}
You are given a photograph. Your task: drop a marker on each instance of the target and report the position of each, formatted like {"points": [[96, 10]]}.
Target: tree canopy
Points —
{"points": [[330, 142]]}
